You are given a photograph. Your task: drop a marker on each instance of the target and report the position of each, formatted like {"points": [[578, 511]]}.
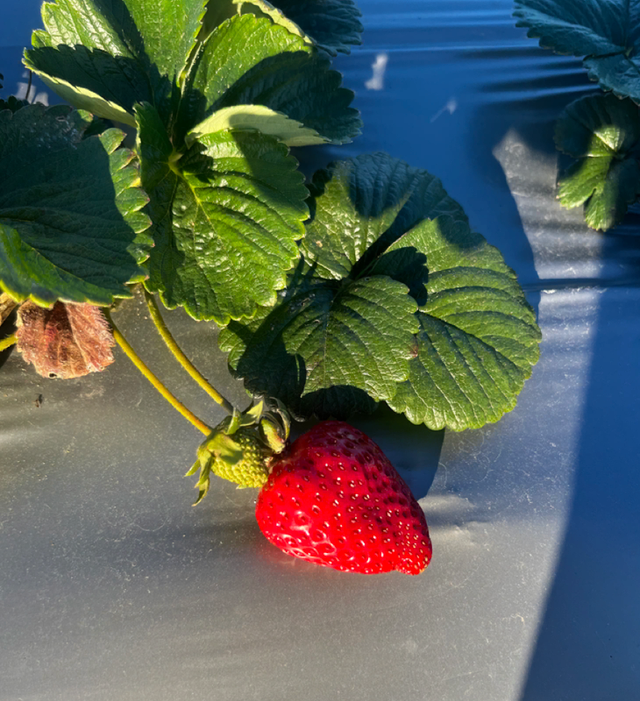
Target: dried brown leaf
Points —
{"points": [[68, 340]]}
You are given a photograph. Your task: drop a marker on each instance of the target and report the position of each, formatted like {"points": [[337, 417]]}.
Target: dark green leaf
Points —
{"points": [[328, 342], [12, 104], [375, 220], [605, 32], [226, 217], [70, 219], [603, 133]]}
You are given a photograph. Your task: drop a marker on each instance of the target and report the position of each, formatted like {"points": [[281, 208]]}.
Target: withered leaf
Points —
{"points": [[67, 341]]}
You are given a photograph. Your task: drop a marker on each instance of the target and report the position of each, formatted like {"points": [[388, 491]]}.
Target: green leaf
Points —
{"points": [[360, 206], [379, 223], [262, 8], [70, 220], [250, 61], [226, 218], [333, 24], [603, 133], [257, 118], [325, 336], [106, 55], [604, 32], [478, 337]]}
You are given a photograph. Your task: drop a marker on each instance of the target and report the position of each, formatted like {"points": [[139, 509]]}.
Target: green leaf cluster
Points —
{"points": [[395, 299], [600, 131], [217, 94], [366, 286]]}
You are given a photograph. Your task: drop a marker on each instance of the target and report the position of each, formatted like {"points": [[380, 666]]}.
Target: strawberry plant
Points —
{"points": [[365, 285]]}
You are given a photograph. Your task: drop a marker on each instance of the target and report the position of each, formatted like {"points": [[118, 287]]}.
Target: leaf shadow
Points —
{"points": [[583, 640], [414, 450]]}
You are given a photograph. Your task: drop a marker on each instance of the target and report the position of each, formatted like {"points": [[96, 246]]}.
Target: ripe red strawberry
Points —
{"points": [[334, 498]]}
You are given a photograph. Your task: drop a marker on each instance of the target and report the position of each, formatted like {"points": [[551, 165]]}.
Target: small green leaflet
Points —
{"points": [[334, 25], [605, 32], [226, 217], [70, 221], [250, 61], [106, 56], [451, 337], [603, 133]]}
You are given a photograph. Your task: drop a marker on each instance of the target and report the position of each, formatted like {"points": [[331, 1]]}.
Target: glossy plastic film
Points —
{"points": [[112, 587]]}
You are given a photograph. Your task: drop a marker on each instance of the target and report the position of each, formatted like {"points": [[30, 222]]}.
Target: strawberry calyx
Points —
{"points": [[241, 446]]}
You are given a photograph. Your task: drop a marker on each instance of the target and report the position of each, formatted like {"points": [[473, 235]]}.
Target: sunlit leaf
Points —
{"points": [[452, 315], [603, 133], [226, 218], [251, 61], [257, 118]]}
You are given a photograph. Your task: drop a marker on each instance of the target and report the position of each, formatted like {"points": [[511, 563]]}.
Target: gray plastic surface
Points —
{"points": [[112, 588]]}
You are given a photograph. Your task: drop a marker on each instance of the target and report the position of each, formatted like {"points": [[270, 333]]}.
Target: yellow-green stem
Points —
{"points": [[8, 342], [139, 363], [181, 357]]}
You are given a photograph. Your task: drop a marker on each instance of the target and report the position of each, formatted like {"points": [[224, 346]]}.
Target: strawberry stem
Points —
{"points": [[8, 342], [139, 363], [179, 355]]}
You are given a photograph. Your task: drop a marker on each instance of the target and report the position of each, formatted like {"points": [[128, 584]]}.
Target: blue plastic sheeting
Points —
{"points": [[112, 587]]}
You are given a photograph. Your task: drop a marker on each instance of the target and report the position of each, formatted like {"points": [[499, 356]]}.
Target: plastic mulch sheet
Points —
{"points": [[113, 588]]}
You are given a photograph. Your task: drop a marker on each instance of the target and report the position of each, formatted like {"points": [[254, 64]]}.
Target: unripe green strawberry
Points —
{"points": [[240, 447], [333, 498], [249, 469]]}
